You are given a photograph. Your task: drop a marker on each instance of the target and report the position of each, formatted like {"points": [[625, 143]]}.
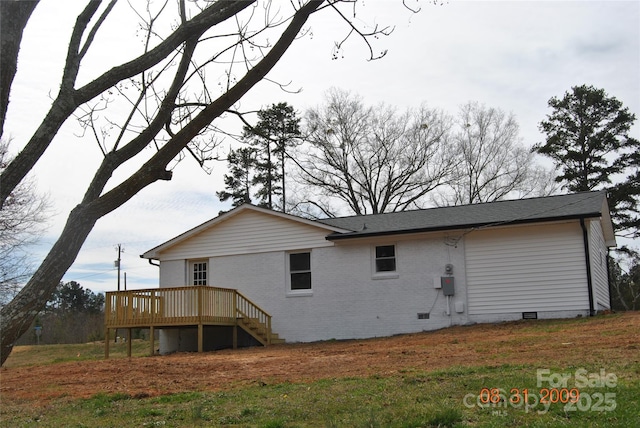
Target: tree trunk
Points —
{"points": [[16, 317], [13, 19], [69, 98]]}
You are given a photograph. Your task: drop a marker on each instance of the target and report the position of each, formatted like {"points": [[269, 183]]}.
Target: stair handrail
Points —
{"points": [[243, 303]]}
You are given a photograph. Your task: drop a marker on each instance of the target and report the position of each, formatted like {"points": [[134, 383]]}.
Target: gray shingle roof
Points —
{"points": [[573, 206]]}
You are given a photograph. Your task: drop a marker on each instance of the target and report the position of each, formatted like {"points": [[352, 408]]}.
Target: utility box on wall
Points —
{"points": [[447, 285], [437, 282]]}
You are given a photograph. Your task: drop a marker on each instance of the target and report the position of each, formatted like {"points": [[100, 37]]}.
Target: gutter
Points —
{"points": [[151, 261], [587, 257], [609, 261], [336, 236]]}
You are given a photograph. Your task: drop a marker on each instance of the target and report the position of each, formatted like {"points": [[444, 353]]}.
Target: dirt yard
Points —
{"points": [[540, 344]]}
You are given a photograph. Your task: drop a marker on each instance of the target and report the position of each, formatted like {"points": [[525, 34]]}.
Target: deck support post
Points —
{"points": [[235, 336], [200, 337], [129, 335], [106, 343], [152, 339]]}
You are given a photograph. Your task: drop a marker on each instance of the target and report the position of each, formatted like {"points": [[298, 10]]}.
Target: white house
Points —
{"points": [[385, 274]]}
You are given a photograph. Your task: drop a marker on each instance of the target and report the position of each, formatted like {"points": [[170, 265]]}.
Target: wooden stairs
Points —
{"points": [[259, 331], [254, 320]]}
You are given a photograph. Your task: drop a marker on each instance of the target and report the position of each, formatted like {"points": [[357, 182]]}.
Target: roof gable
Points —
{"points": [[244, 229]]}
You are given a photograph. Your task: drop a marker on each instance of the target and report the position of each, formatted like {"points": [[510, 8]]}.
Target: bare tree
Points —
{"points": [[22, 221], [491, 161], [625, 280], [171, 109], [374, 159]]}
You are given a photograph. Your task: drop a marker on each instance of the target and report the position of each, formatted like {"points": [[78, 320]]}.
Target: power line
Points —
{"points": [[91, 275]]}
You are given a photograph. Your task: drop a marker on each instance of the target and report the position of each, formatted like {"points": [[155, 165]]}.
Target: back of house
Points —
{"points": [[386, 274]]}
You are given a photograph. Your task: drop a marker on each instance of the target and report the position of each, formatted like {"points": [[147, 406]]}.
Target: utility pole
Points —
{"points": [[117, 262]]}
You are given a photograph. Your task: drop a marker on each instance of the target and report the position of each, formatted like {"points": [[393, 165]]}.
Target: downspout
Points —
{"points": [[587, 257], [609, 261]]}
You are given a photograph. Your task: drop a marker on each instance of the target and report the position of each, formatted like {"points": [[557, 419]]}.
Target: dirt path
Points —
{"points": [[539, 344]]}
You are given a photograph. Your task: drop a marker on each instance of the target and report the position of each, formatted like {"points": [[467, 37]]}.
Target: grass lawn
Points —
{"points": [[584, 392]]}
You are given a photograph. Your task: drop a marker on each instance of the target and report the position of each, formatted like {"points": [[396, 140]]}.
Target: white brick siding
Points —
{"points": [[346, 301]]}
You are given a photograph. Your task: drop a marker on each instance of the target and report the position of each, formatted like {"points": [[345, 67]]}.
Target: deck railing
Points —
{"points": [[180, 306]]}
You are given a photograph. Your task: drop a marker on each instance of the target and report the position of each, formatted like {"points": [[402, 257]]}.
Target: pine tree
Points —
{"points": [[276, 131], [238, 182], [587, 137]]}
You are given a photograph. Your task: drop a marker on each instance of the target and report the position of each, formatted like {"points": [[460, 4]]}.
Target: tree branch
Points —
{"points": [[69, 99]]}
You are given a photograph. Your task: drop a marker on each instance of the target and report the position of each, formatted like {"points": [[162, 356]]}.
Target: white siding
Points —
{"points": [[598, 254], [530, 268], [249, 232]]}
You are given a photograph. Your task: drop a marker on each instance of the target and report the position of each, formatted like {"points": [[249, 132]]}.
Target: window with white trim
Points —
{"points": [[199, 272], [299, 266], [385, 258]]}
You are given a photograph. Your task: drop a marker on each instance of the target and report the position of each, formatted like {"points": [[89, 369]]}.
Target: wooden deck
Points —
{"points": [[183, 307]]}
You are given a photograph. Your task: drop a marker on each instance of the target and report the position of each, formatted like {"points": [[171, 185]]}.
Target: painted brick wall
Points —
{"points": [[346, 301], [173, 273]]}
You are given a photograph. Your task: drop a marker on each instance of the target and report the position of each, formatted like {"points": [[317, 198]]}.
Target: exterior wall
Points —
{"points": [[499, 273], [248, 232], [173, 273], [598, 255], [535, 268], [346, 302]]}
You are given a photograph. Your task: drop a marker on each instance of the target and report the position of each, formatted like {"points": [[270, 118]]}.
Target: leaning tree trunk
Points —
{"points": [[16, 317]]}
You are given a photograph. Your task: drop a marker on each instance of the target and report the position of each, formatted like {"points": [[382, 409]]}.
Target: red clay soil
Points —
{"points": [[602, 340]]}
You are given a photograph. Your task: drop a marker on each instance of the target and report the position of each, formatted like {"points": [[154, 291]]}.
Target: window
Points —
{"points": [[199, 273], [385, 258], [300, 271]]}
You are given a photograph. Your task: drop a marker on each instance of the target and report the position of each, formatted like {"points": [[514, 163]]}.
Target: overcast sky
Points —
{"points": [[514, 55]]}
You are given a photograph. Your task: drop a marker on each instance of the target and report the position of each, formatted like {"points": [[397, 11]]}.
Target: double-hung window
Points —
{"points": [[385, 258], [384, 262], [299, 265]]}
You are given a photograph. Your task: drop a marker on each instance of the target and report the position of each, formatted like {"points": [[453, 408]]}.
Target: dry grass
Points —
{"points": [[605, 341]]}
